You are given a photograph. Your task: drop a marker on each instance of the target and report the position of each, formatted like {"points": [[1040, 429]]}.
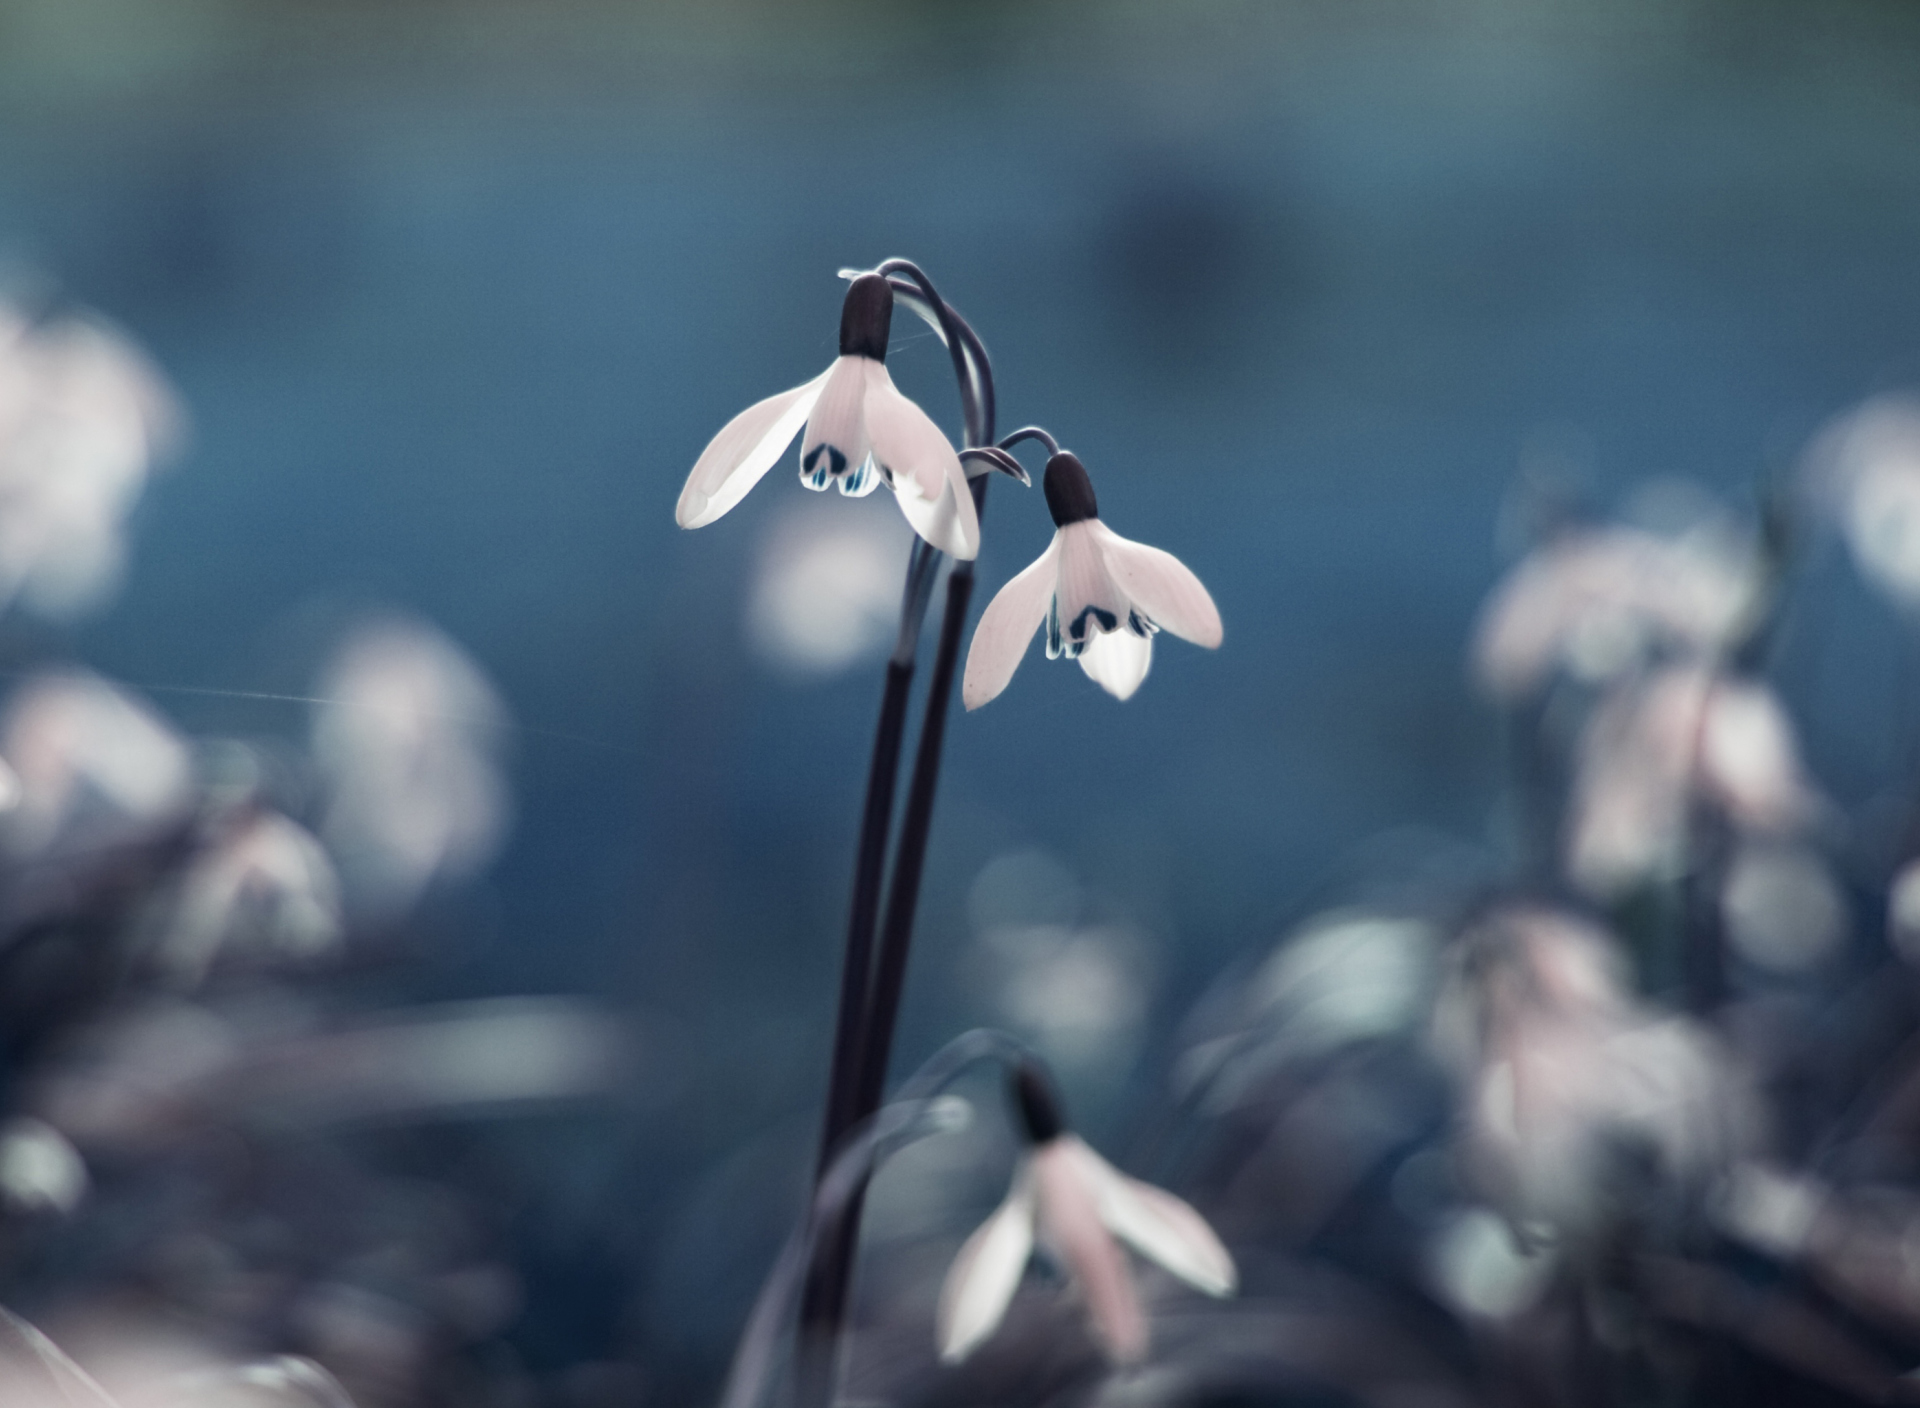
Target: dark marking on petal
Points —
{"points": [[1039, 1107], [866, 318], [1069, 492], [836, 463], [1107, 621]]}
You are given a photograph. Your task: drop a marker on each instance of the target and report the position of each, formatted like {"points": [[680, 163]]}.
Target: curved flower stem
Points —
{"points": [[836, 1198], [916, 1111], [903, 892], [1031, 432], [870, 989]]}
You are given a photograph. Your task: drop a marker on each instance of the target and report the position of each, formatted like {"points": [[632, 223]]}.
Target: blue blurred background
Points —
{"points": [[456, 293]]}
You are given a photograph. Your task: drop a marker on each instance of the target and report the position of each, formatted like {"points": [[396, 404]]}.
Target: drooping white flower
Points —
{"points": [[1102, 597], [860, 432], [1598, 602], [1560, 1067], [1659, 745], [1075, 1203]]}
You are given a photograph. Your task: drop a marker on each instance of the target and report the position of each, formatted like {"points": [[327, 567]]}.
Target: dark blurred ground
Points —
{"points": [[456, 293]]}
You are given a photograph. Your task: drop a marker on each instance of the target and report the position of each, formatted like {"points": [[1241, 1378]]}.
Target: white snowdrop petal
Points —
{"points": [[986, 1273], [1748, 755], [1162, 586], [1069, 1215], [1006, 626], [1164, 1229], [1087, 601], [744, 450], [1118, 661], [835, 447], [924, 468]]}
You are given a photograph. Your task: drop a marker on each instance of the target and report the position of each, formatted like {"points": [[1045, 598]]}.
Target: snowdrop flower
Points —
{"points": [[1102, 597], [408, 740], [1077, 1203], [1659, 745], [1865, 468], [1559, 1067], [87, 766], [263, 880], [83, 418], [860, 432], [1598, 602]]}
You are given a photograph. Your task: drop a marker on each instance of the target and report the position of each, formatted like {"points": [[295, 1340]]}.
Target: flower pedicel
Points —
{"points": [[860, 431]]}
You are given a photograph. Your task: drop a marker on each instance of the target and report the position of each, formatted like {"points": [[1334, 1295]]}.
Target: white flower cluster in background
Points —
{"points": [[84, 417]]}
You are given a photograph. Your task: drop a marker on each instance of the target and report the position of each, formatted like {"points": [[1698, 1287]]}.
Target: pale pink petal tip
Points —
{"points": [[1071, 1221]]}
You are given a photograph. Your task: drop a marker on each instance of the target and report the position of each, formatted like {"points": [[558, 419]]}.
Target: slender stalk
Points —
{"points": [[829, 1273], [864, 1032], [909, 861], [870, 854], [832, 1276]]}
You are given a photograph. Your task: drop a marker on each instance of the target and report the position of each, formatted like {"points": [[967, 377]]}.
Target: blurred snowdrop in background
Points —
{"points": [[1597, 602], [1864, 469], [1783, 909], [262, 882], [407, 735], [826, 586], [1660, 748], [84, 417], [1075, 984], [95, 767]]}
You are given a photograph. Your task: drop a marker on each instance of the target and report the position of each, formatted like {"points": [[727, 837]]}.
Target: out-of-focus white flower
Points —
{"points": [[1077, 990], [1076, 1203], [1559, 1067], [1659, 744], [264, 882], [1600, 601], [407, 738], [92, 766], [39, 1170], [861, 432], [826, 592], [1864, 467], [83, 417], [1344, 976], [1783, 910], [1903, 912], [1102, 597], [1480, 1268]]}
